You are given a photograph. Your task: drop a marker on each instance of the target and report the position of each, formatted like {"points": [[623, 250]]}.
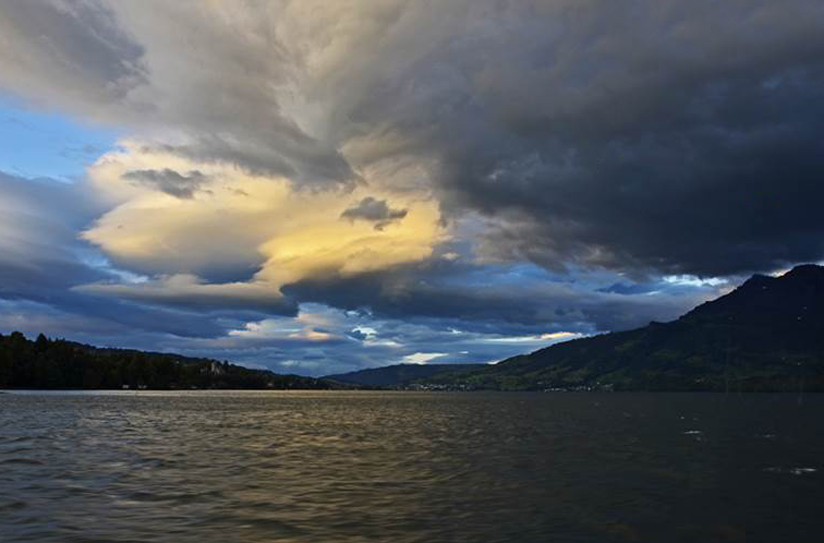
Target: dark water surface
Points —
{"points": [[397, 467]]}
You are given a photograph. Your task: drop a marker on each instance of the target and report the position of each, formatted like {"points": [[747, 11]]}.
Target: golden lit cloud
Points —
{"points": [[182, 221]]}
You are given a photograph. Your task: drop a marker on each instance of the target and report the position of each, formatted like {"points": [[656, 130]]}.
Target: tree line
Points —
{"points": [[60, 364]]}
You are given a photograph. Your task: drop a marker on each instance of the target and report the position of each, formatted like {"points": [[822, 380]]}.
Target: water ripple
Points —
{"points": [[408, 467]]}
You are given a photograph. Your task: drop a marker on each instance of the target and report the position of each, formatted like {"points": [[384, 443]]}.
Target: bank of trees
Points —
{"points": [[56, 364]]}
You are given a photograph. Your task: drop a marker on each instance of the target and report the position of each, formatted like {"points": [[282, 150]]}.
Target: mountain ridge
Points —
{"points": [[397, 375], [767, 334]]}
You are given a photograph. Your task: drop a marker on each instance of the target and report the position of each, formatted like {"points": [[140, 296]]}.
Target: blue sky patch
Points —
{"points": [[48, 144]]}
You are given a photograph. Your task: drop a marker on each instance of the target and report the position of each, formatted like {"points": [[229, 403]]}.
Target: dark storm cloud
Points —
{"points": [[704, 198], [376, 211], [649, 137], [169, 181], [636, 136]]}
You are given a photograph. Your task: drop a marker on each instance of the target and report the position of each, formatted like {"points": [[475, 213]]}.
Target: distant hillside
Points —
{"points": [[399, 375], [55, 364], [766, 335]]}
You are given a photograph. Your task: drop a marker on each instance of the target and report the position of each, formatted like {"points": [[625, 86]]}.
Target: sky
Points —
{"points": [[320, 187]]}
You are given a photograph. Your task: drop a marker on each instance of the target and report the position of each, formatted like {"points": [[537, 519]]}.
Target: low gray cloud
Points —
{"points": [[494, 300], [376, 211], [169, 181], [627, 137], [191, 293], [42, 261]]}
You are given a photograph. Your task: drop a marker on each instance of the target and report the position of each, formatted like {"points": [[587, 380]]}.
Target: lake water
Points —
{"points": [[403, 467]]}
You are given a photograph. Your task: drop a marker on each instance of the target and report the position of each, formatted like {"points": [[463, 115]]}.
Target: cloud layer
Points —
{"points": [[502, 168]]}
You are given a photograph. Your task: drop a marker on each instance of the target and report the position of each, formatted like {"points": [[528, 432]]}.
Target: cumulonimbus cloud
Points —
{"points": [[631, 137], [311, 151]]}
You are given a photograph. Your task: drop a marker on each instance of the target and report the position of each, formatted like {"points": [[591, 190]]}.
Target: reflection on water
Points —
{"points": [[338, 466]]}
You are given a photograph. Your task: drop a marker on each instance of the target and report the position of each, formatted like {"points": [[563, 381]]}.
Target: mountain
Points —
{"points": [[55, 364], [766, 335], [399, 375]]}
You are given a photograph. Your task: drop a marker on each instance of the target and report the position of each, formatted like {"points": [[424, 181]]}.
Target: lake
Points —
{"points": [[401, 467]]}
